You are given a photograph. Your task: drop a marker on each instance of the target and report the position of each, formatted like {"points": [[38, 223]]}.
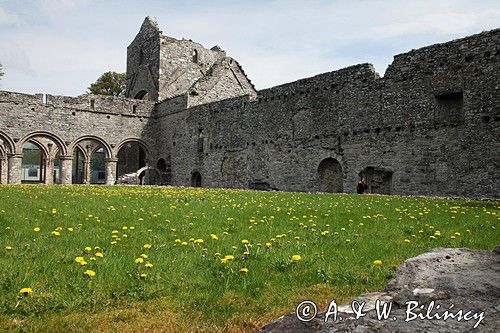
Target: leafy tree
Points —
{"points": [[110, 83]]}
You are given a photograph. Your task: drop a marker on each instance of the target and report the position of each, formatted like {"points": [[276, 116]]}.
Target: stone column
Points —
{"points": [[110, 170], [86, 172], [15, 162], [66, 165], [3, 170], [49, 171]]}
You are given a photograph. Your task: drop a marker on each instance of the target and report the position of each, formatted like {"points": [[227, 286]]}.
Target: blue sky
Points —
{"points": [[61, 46]]}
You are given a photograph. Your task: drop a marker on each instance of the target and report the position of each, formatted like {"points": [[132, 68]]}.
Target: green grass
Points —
{"points": [[188, 287]]}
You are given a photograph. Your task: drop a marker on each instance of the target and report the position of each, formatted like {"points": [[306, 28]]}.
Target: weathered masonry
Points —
{"points": [[430, 126]]}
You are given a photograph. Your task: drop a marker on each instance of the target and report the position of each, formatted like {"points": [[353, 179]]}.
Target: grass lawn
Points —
{"points": [[51, 235]]}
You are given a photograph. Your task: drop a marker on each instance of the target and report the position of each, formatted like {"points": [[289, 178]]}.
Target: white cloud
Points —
{"points": [[68, 43]]}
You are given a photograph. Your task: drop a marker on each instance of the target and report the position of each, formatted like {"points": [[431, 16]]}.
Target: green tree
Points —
{"points": [[109, 83]]}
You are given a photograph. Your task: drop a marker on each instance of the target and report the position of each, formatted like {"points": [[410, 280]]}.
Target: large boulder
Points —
{"points": [[468, 280]]}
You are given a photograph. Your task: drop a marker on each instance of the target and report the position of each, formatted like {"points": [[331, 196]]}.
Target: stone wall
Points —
{"points": [[428, 127]]}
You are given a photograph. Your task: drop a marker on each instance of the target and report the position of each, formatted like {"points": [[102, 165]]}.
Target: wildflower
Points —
{"points": [[8, 247], [324, 233], [88, 249], [406, 240], [98, 254], [92, 259], [79, 259], [25, 291], [296, 257], [143, 275], [246, 253], [113, 242], [147, 246], [36, 229], [244, 241], [145, 256], [177, 240], [54, 210], [70, 229], [139, 260], [56, 233], [377, 262], [269, 244], [198, 241], [114, 232], [89, 273], [184, 243], [82, 263], [148, 265], [214, 237], [453, 237], [244, 270]]}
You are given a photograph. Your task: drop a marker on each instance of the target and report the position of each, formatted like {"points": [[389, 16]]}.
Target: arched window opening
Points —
{"points": [[98, 167], [78, 167], [32, 169], [143, 95]]}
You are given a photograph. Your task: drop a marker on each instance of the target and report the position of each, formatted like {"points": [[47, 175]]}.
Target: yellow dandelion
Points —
{"points": [[244, 270], [296, 257], [8, 247], [98, 254], [198, 241], [139, 260], [148, 265], [89, 273], [25, 291], [36, 229], [244, 241], [147, 246], [56, 233], [214, 237], [88, 249], [377, 262]]}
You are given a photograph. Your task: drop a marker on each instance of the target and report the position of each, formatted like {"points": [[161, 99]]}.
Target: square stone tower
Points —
{"points": [[161, 67]]}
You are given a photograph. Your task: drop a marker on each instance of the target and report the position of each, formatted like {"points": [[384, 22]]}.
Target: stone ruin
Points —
{"points": [[191, 117]]}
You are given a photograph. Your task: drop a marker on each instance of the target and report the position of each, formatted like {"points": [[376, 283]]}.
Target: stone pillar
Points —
{"points": [[15, 162], [3, 170], [111, 170], [66, 165], [49, 171], [86, 172]]}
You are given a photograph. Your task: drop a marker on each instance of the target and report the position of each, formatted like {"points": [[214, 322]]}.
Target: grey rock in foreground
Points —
{"points": [[468, 279]]}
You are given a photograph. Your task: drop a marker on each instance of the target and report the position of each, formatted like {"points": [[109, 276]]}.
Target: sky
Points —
{"points": [[61, 46]]}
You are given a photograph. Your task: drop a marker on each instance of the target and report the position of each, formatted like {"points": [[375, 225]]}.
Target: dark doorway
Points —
{"points": [[196, 179], [377, 180]]}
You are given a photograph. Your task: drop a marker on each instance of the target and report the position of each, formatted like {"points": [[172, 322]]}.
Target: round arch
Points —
{"points": [[107, 147], [7, 140], [143, 95], [331, 176], [142, 143], [57, 140]]}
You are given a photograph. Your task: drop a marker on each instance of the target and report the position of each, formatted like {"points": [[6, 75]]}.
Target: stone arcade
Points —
{"points": [[430, 126]]}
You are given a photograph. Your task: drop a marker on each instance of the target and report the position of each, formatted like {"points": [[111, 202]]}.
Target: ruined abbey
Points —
{"points": [[429, 126]]}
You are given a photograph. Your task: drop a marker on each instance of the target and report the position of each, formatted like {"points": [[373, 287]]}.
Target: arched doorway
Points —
{"points": [[330, 176], [131, 157], [196, 179], [33, 163], [98, 167]]}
